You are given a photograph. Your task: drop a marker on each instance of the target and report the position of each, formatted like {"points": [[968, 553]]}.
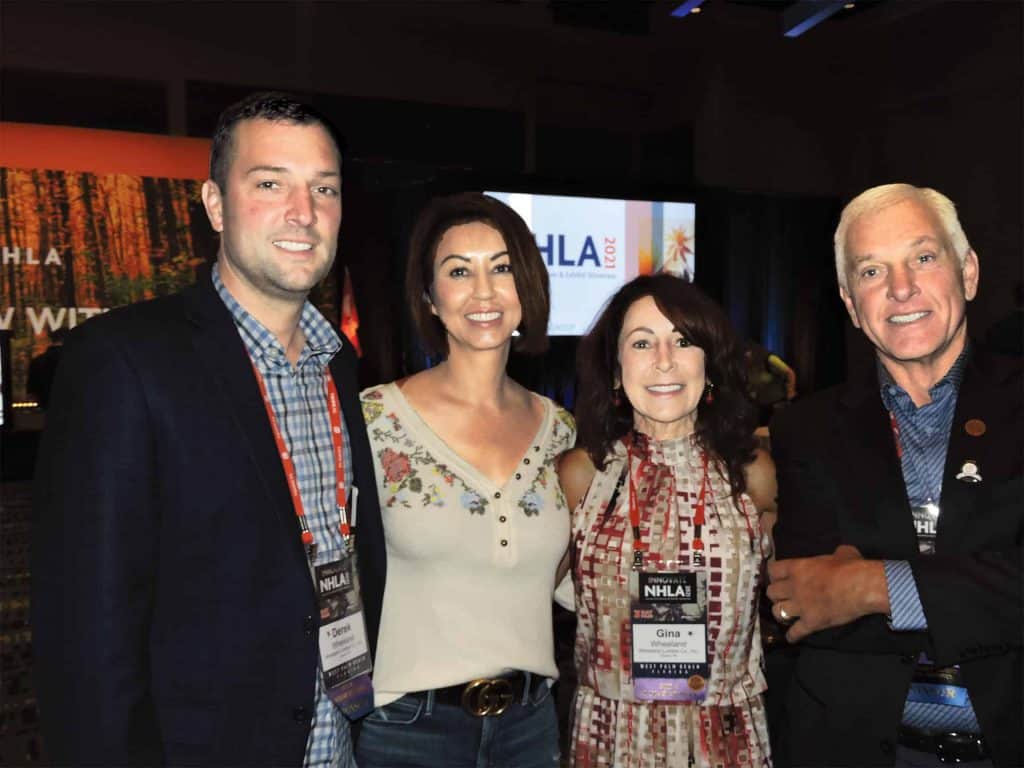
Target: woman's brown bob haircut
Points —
{"points": [[528, 270]]}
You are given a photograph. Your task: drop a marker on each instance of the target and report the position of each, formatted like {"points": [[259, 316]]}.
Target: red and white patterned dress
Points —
{"points": [[610, 727]]}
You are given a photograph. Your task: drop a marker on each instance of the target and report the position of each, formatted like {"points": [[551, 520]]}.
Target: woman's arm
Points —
{"points": [[575, 473], [763, 490]]}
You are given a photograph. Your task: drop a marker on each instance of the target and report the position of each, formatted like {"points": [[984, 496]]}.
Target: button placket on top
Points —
{"points": [[502, 501], [506, 501]]}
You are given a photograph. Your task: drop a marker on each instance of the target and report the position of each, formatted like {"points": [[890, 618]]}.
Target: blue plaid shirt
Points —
{"points": [[299, 400], [924, 438]]}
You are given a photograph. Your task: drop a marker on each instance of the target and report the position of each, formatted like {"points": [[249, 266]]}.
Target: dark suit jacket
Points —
{"points": [[840, 483], [173, 612]]}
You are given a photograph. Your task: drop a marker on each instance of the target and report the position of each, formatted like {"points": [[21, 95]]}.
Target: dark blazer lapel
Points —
{"points": [[980, 399], [872, 474], [343, 372], [229, 369], [369, 525]]}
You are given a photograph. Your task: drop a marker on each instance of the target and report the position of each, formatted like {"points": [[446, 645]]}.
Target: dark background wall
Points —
{"points": [[771, 133]]}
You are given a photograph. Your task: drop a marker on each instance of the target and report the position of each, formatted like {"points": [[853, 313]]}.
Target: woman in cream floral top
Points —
{"points": [[474, 517]]}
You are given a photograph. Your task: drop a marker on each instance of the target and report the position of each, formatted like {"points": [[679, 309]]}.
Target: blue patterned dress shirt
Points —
{"points": [[924, 438]]}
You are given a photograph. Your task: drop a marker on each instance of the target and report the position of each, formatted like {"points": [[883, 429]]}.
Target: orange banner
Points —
{"points": [[60, 148]]}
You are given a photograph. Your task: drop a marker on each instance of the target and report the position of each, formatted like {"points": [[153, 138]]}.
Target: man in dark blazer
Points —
{"points": [[901, 514], [174, 615]]}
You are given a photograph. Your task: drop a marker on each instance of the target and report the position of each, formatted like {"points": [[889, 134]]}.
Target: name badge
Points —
{"points": [[343, 644], [670, 642], [926, 523], [935, 693]]}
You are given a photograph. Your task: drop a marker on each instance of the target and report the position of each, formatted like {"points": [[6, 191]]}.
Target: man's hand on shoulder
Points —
{"points": [[815, 593]]}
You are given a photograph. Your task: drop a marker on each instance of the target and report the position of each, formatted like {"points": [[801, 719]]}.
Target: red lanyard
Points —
{"points": [[639, 546], [896, 434], [337, 443], [698, 515]]}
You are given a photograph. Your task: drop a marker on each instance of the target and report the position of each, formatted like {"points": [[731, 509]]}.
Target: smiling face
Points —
{"points": [[906, 288], [662, 373], [473, 292], [280, 212]]}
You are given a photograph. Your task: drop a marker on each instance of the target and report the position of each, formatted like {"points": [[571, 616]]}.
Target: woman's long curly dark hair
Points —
{"points": [[725, 427]]}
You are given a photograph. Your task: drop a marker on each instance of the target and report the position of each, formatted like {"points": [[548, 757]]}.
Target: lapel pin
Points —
{"points": [[975, 427], [969, 472]]}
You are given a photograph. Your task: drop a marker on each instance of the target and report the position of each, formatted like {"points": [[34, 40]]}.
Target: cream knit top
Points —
{"points": [[471, 565]]}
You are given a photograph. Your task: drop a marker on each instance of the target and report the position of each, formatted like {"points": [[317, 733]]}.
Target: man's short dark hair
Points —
{"points": [[528, 270], [274, 106]]}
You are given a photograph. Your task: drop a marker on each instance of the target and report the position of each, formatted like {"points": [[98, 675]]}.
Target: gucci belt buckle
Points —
{"points": [[485, 696]]}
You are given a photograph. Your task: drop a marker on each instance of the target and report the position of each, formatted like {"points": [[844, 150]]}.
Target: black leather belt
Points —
{"points": [[486, 695], [950, 747]]}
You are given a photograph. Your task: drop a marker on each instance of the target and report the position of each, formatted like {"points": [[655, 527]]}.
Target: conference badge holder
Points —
{"points": [[670, 637], [926, 523], [344, 649], [937, 685]]}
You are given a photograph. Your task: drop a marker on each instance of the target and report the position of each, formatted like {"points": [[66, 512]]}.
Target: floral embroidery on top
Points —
{"points": [[563, 431], [407, 465], [372, 408], [531, 503], [396, 465], [402, 469], [474, 502], [398, 470], [566, 418]]}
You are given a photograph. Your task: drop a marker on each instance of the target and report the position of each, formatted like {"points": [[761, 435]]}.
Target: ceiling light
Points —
{"points": [[686, 8], [805, 14]]}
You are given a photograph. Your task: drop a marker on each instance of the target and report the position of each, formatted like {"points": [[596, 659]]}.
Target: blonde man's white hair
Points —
{"points": [[877, 198]]}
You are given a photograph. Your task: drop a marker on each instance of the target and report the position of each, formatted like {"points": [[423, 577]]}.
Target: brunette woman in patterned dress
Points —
{"points": [[474, 518], [667, 489]]}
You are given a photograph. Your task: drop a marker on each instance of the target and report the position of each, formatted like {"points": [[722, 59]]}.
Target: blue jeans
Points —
{"points": [[418, 732]]}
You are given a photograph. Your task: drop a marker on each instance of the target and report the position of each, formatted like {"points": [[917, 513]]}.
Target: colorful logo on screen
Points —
{"points": [[560, 251]]}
